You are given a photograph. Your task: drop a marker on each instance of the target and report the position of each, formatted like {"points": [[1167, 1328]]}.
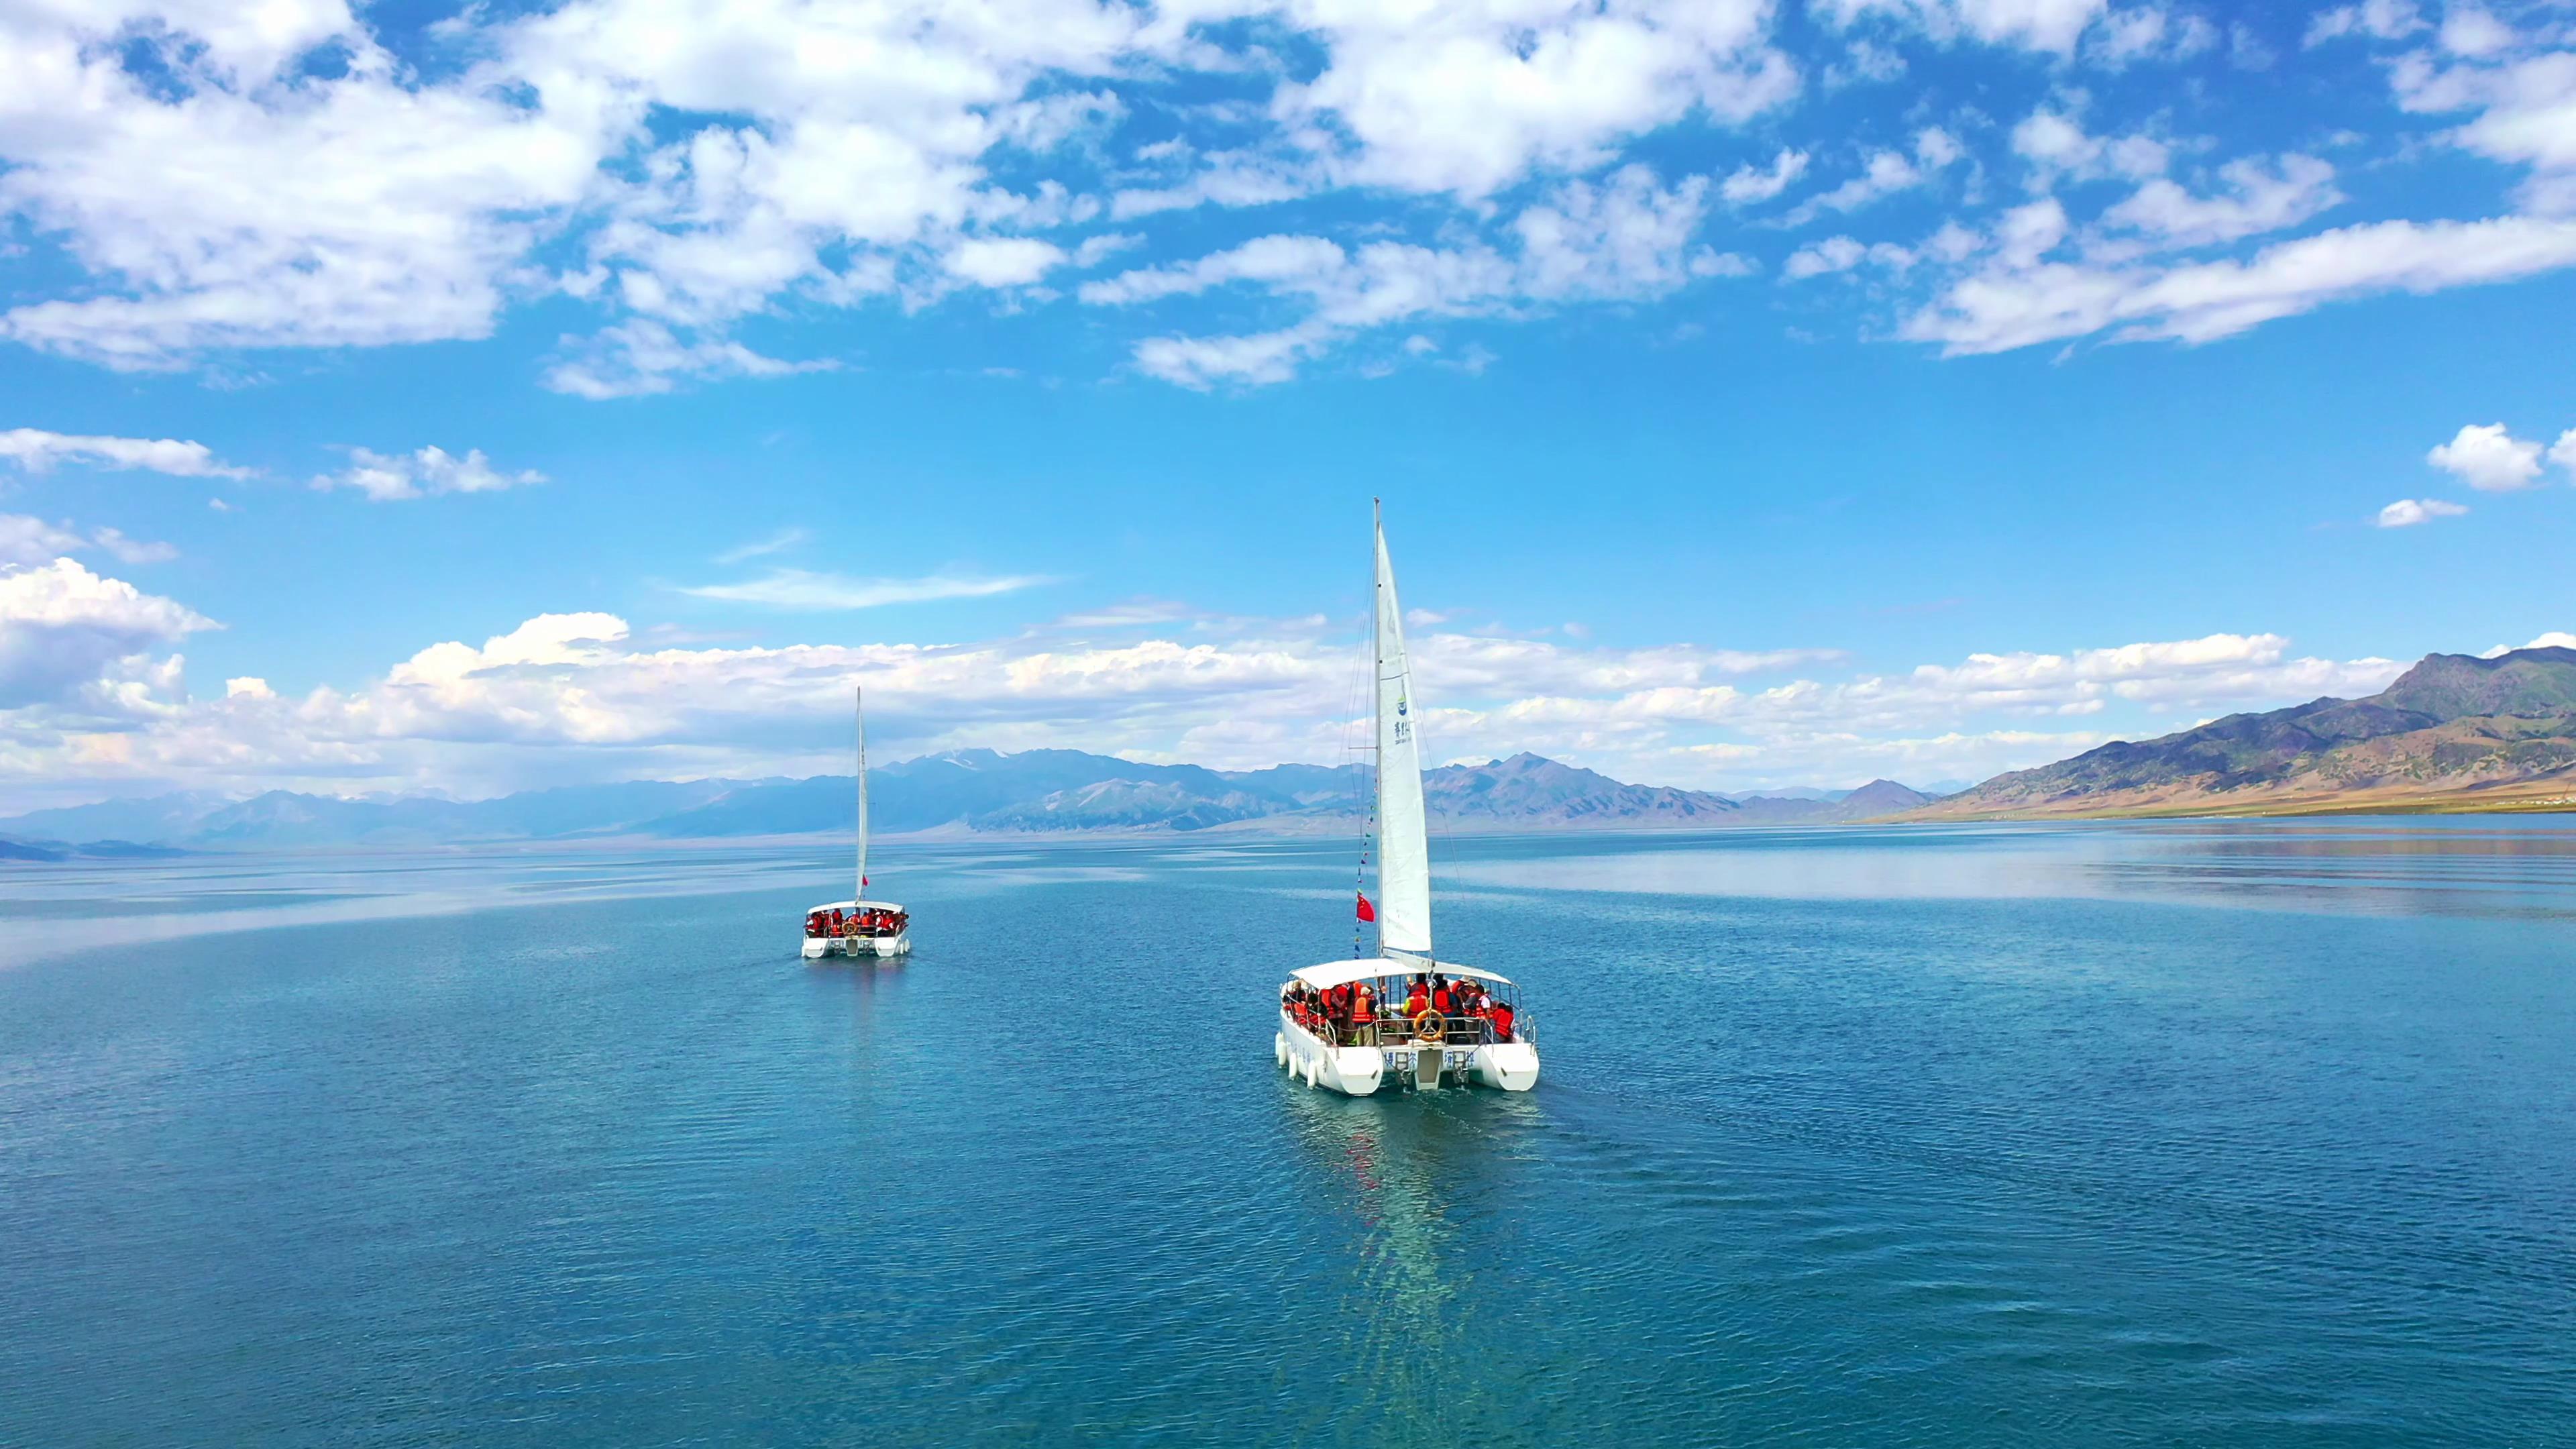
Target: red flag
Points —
{"points": [[1367, 911]]}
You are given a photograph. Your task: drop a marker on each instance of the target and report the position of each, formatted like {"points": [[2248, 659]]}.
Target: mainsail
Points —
{"points": [[859, 707], [1404, 850]]}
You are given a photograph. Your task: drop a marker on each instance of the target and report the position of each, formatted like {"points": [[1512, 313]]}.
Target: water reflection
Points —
{"points": [[1415, 1173], [2518, 866]]}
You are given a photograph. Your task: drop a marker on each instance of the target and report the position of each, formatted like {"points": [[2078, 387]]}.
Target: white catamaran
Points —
{"points": [[858, 927], [1403, 1018]]}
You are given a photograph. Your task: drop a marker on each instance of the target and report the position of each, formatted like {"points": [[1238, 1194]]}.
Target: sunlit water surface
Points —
{"points": [[2149, 1135]]}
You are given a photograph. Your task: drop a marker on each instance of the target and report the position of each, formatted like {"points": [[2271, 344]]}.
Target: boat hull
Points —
{"points": [[818, 947], [1360, 1071]]}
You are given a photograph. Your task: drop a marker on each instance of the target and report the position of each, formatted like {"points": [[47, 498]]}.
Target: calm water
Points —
{"points": [[2169, 1135]]}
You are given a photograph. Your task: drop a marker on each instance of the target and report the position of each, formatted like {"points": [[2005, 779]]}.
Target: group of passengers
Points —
{"points": [[1433, 1009], [870, 922]]}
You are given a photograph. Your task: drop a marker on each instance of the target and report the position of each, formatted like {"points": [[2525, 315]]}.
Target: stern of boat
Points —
{"points": [[1509, 1065]]}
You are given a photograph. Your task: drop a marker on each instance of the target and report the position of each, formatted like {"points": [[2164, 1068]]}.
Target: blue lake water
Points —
{"points": [[2179, 1134]]}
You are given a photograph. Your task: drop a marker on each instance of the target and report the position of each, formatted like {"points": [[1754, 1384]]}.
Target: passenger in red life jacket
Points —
{"points": [[1502, 1021], [1361, 1015], [1442, 999]]}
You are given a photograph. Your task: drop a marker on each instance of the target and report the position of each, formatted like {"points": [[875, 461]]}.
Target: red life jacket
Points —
{"points": [[1440, 1001], [1503, 1022]]}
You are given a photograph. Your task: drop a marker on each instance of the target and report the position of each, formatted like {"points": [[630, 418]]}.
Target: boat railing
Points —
{"points": [[1392, 1031]]}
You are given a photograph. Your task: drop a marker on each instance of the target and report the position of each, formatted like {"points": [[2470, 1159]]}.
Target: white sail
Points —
{"points": [[1404, 849], [859, 707]]}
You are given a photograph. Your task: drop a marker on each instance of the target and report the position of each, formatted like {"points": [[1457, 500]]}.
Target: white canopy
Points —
{"points": [[853, 906], [1343, 973]]}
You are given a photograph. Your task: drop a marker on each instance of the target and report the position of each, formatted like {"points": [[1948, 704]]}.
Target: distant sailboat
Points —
{"points": [[1355, 1026], [858, 926]]}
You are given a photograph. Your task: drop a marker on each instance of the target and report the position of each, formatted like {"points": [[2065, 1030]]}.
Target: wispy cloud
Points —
{"points": [[779, 542], [36, 450], [801, 589]]}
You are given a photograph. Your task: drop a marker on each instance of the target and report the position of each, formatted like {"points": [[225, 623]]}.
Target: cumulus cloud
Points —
{"points": [[36, 451], [2409, 512], [577, 696], [70, 638], [1747, 184], [392, 478], [673, 175], [2488, 458]]}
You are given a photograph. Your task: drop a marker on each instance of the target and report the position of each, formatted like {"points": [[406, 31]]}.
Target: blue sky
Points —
{"points": [[423, 397]]}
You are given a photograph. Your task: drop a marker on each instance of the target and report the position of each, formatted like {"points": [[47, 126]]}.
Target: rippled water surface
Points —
{"points": [[2181, 1134]]}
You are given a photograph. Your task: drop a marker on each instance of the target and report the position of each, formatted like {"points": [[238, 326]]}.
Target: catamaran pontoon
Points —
{"points": [[1336, 1035], [859, 927]]}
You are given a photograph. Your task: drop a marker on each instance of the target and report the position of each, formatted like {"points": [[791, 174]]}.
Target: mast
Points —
{"points": [[859, 707], [1404, 847]]}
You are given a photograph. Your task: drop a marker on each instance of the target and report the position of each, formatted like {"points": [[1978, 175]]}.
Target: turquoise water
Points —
{"points": [[2157, 1135]]}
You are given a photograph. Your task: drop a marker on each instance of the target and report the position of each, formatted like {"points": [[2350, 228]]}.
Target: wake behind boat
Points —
{"points": [[859, 926], [1403, 1018]]}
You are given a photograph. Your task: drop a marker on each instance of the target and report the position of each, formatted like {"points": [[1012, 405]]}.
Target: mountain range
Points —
{"points": [[2457, 732], [1032, 791]]}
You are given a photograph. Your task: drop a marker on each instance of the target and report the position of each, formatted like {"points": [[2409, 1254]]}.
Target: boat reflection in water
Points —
{"points": [[1415, 1306]]}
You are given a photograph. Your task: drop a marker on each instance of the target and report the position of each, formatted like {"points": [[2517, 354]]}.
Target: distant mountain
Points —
{"points": [[964, 790], [1527, 790], [1829, 807], [2456, 732]]}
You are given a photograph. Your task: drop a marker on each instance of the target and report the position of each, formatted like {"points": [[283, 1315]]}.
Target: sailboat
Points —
{"points": [[858, 926], [1403, 1018]]}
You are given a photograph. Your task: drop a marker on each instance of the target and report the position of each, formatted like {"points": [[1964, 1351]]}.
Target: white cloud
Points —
{"points": [[577, 696], [2471, 30], [2563, 452], [2044, 25], [2488, 459], [799, 589], [386, 478], [1883, 173], [2408, 512], [70, 638], [644, 357], [36, 451], [1747, 185], [1004, 261], [2525, 115], [2019, 298], [25, 540], [1625, 237], [2057, 147], [2378, 19], [1842, 254], [1468, 98], [2254, 200]]}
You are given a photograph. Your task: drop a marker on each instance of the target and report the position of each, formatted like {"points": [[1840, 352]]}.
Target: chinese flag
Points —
{"points": [[1367, 911]]}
